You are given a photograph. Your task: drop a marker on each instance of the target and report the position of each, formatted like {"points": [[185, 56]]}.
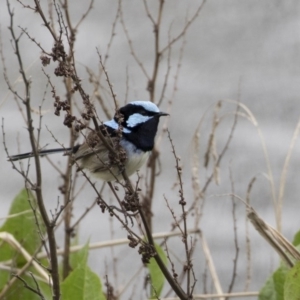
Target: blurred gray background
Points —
{"points": [[235, 49]]}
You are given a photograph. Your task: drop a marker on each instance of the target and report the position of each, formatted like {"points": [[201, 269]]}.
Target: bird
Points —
{"points": [[135, 132]]}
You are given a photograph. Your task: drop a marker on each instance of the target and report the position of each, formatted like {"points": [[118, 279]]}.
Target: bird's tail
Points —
{"points": [[41, 153]]}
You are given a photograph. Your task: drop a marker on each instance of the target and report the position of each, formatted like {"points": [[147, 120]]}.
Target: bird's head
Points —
{"points": [[136, 114]]}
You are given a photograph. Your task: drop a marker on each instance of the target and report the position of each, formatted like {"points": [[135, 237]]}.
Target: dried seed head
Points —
{"points": [[45, 60]]}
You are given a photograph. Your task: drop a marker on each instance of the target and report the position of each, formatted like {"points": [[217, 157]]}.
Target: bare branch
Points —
{"points": [[185, 28], [132, 51], [235, 259], [90, 7], [38, 185]]}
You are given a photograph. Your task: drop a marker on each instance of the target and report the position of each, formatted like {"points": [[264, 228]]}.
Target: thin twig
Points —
{"points": [[35, 291], [129, 40], [188, 264], [248, 241], [185, 28], [236, 245]]}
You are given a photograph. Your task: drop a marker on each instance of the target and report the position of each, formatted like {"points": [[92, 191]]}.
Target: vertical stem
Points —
{"points": [[38, 188], [67, 195], [152, 83], [147, 204], [175, 286], [67, 178]]}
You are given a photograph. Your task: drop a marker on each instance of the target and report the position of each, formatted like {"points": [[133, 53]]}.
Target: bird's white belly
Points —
{"points": [[136, 161]]}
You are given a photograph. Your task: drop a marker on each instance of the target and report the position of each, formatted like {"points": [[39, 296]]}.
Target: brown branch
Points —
{"points": [[188, 264], [177, 288], [185, 28], [112, 35], [85, 14], [108, 82], [201, 192], [235, 259], [132, 50], [38, 187], [167, 75], [148, 12], [157, 53], [35, 291], [248, 242], [178, 67], [46, 22], [34, 41], [218, 161]]}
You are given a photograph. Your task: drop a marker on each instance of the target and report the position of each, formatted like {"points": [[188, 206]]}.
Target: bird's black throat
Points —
{"points": [[142, 135]]}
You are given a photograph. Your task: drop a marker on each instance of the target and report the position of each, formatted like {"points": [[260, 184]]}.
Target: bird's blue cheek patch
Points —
{"points": [[136, 119], [113, 124]]}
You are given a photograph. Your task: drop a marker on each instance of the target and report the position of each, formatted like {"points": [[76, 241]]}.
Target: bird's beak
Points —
{"points": [[162, 114]]}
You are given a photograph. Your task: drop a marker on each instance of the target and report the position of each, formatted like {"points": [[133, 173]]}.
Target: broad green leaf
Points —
{"points": [[22, 227], [77, 259], [80, 257], [24, 230], [296, 240], [292, 283], [279, 277], [82, 283], [274, 287], [268, 292], [4, 277], [280, 285], [156, 276]]}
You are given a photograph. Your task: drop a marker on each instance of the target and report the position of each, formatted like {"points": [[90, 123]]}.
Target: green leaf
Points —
{"points": [[4, 277], [268, 292], [296, 240], [22, 227], [24, 230], [156, 276], [79, 258], [279, 277], [82, 283], [292, 283], [274, 286]]}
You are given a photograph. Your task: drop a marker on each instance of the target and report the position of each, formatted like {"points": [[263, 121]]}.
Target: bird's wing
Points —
{"points": [[93, 154], [92, 145]]}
